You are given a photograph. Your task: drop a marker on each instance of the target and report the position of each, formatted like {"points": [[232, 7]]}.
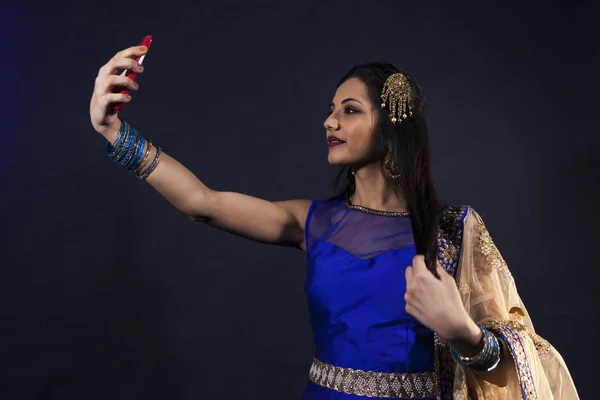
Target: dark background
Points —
{"points": [[108, 292]]}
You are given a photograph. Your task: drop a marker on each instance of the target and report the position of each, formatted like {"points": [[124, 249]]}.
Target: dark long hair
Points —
{"points": [[409, 142]]}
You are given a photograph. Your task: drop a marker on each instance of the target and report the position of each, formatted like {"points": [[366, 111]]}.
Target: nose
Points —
{"points": [[331, 123]]}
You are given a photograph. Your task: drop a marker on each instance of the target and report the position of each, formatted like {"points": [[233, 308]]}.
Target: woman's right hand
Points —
{"points": [[107, 90]]}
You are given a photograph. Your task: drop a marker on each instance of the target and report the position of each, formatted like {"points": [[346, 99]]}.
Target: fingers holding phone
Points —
{"points": [[138, 68], [112, 87]]}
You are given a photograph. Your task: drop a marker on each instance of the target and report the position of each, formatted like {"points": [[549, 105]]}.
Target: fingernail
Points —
{"points": [[135, 85], [143, 48], [141, 67]]}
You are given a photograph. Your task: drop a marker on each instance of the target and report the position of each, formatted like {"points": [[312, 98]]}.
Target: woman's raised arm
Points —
{"points": [[280, 223]]}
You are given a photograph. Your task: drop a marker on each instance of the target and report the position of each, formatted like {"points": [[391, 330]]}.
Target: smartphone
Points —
{"points": [[146, 41]]}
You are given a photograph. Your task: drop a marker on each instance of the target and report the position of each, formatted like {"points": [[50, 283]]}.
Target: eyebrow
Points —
{"points": [[345, 101]]}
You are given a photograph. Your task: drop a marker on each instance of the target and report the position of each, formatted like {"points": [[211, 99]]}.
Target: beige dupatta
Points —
{"points": [[489, 294]]}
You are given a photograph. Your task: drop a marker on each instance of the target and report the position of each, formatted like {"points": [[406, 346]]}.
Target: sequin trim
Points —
{"points": [[374, 384], [376, 212], [446, 368], [450, 237]]}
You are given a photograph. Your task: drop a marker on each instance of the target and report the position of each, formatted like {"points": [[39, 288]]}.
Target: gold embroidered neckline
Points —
{"points": [[376, 212]]}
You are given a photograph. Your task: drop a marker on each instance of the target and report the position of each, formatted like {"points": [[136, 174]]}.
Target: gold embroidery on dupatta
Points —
{"points": [[463, 288], [541, 345], [490, 251]]}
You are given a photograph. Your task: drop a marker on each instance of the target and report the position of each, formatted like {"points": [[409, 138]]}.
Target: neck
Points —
{"points": [[373, 191]]}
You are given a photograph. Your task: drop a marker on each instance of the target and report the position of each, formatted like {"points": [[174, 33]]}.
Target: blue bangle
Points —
{"points": [[125, 135], [110, 149], [135, 163], [488, 357], [135, 149], [129, 150], [128, 153]]}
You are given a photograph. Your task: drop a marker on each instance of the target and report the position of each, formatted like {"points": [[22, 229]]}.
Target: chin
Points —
{"points": [[341, 157], [335, 160]]}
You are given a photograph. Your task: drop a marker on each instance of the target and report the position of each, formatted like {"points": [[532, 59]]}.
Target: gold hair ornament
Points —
{"points": [[396, 95]]}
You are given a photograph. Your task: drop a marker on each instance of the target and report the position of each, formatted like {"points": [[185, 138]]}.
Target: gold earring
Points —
{"points": [[390, 165]]}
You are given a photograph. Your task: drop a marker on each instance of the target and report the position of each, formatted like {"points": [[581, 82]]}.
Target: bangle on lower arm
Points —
{"points": [[488, 357], [152, 167], [131, 150]]}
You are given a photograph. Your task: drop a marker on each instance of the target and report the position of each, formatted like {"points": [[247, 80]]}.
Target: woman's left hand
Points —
{"points": [[435, 302]]}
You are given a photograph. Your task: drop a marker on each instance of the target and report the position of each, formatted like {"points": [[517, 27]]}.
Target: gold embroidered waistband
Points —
{"points": [[391, 385]]}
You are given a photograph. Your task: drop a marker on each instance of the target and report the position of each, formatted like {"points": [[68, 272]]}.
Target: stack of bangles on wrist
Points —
{"points": [[131, 150], [489, 356]]}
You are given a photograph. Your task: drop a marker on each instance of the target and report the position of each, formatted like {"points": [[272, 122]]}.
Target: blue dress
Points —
{"points": [[366, 343]]}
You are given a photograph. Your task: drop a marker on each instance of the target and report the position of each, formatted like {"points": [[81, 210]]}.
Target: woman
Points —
{"points": [[408, 297]]}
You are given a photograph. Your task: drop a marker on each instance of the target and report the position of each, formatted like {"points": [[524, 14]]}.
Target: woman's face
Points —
{"points": [[352, 121]]}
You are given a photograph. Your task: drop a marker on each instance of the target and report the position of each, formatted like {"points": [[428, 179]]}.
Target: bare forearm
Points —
{"points": [[466, 339], [172, 180]]}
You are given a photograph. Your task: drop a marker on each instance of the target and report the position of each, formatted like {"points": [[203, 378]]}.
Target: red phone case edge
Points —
{"points": [[146, 41]]}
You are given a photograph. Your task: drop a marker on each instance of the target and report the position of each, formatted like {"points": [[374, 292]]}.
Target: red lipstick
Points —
{"points": [[333, 141]]}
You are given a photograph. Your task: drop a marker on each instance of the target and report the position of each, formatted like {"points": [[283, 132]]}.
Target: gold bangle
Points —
{"points": [[145, 157], [151, 170]]}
